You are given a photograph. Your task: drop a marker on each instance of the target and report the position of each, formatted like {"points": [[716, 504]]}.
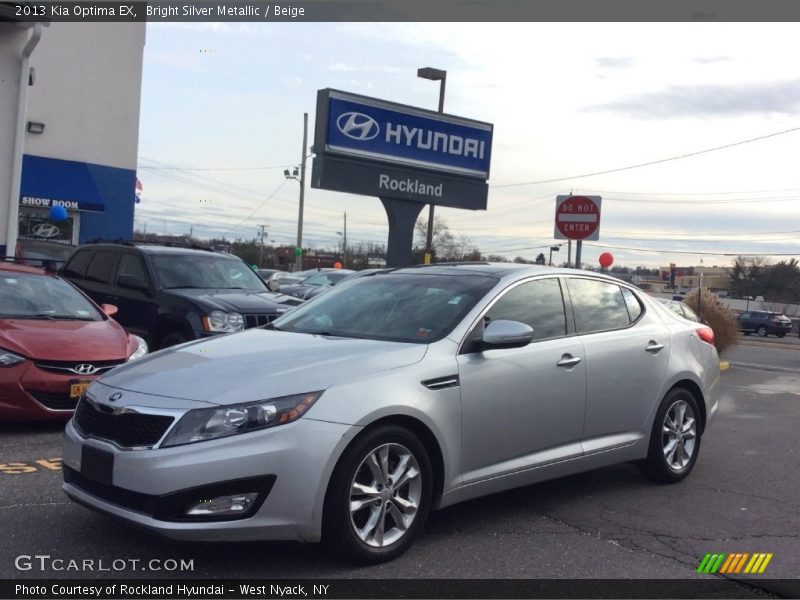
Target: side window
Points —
{"points": [[538, 303], [745, 315], [633, 304], [102, 266], [598, 305], [131, 265], [76, 267]]}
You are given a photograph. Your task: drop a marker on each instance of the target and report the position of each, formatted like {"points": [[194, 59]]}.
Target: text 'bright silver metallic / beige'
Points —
{"points": [[349, 418]]}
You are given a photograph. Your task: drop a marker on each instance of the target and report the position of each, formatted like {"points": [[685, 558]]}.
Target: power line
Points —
{"points": [[652, 162], [704, 252]]}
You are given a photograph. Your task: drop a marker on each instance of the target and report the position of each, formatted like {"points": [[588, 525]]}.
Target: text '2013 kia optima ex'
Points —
{"points": [[351, 417]]}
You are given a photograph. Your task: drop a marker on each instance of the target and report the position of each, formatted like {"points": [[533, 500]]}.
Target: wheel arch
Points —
{"points": [[695, 390]]}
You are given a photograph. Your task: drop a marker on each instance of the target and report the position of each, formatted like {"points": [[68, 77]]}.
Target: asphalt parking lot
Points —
{"points": [[743, 496]]}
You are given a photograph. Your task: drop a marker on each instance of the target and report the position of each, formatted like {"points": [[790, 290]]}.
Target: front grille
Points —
{"points": [[258, 320], [129, 430], [69, 366], [54, 401]]}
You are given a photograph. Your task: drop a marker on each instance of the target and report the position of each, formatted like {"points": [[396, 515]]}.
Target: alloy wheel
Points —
{"points": [[679, 433], [385, 495]]}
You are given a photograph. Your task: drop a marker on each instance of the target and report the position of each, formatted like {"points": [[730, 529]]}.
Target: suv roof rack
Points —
{"points": [[170, 244]]}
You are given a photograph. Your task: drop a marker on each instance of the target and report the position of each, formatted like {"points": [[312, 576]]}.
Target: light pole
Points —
{"points": [[440, 76], [553, 249], [301, 177]]}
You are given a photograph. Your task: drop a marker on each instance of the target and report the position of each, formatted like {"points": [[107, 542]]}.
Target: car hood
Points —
{"points": [[238, 300], [259, 364], [64, 340]]}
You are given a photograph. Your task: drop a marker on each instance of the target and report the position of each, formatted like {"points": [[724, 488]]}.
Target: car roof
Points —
{"points": [[156, 249], [8, 266], [498, 270]]}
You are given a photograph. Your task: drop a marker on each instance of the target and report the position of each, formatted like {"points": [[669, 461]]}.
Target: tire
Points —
{"points": [[348, 534], [761, 331], [172, 339], [671, 467]]}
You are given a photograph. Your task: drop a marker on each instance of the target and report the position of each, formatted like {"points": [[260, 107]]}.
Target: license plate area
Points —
{"points": [[77, 387], [97, 465]]}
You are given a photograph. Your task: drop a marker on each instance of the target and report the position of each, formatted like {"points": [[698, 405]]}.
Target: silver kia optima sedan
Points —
{"points": [[350, 418]]}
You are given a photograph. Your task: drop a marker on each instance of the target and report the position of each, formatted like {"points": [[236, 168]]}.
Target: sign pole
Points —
{"points": [[578, 248], [569, 254], [299, 248]]}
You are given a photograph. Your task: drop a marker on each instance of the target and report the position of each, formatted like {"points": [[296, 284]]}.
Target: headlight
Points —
{"points": [[211, 423], [141, 348], [222, 322], [9, 359]]}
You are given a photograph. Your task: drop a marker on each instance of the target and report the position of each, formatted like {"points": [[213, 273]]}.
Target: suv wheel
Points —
{"points": [[378, 497], [675, 439], [761, 331]]}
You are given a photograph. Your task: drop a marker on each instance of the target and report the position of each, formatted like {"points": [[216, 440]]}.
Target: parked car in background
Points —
{"points": [[680, 309], [300, 276], [316, 281], [171, 295], [53, 342], [51, 256], [350, 418], [271, 277], [321, 289], [764, 323]]}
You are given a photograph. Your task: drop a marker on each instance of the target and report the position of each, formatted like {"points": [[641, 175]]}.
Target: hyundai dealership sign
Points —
{"points": [[374, 147], [370, 128]]}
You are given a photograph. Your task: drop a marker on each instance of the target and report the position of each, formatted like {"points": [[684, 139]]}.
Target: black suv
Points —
{"points": [[764, 323], [171, 295]]}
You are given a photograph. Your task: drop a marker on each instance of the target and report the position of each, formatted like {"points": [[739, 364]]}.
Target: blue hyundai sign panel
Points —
{"points": [[369, 128]]}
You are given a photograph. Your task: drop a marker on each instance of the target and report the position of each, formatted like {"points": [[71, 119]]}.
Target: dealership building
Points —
{"points": [[69, 129]]}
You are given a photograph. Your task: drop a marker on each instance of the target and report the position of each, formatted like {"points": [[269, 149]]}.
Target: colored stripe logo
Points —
{"points": [[738, 562]]}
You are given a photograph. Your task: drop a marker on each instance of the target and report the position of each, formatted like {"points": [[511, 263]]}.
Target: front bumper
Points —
{"points": [[30, 393], [298, 458]]}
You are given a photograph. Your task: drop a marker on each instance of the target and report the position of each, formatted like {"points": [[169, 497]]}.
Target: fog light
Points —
{"points": [[234, 504]]}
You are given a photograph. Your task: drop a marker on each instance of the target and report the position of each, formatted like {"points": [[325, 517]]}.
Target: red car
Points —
{"points": [[53, 342]]}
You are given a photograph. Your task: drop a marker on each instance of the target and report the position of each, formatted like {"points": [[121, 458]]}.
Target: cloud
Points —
{"points": [[711, 100], [614, 62], [708, 60]]}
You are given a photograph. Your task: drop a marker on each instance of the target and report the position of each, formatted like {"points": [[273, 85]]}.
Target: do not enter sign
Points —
{"points": [[577, 217]]}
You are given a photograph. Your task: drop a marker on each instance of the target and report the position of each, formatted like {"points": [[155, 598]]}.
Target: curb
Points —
{"points": [[781, 345]]}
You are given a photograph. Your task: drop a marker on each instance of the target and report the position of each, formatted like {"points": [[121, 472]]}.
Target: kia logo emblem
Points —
{"points": [[85, 369], [46, 230], [358, 126], [115, 396]]}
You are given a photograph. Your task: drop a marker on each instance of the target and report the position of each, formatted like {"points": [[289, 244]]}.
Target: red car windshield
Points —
{"points": [[29, 296]]}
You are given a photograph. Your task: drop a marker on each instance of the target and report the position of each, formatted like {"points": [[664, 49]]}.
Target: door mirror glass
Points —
{"points": [[507, 334]]}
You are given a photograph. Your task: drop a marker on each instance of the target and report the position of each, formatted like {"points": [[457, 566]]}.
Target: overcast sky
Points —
{"points": [[223, 104]]}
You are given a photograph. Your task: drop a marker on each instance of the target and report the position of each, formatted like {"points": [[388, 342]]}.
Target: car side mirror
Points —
{"points": [[273, 286], [132, 282], [506, 334], [109, 309]]}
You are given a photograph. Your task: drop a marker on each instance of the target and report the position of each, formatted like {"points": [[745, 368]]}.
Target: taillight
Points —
{"points": [[706, 334]]}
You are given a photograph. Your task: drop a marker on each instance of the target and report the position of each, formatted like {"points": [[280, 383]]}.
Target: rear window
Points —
{"points": [[76, 267]]}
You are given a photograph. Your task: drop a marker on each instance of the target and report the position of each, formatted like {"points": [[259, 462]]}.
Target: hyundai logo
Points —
{"points": [[358, 126], [115, 396], [85, 369], [45, 230]]}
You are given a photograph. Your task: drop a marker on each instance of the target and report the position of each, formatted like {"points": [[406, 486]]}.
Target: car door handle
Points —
{"points": [[568, 361], [654, 347]]}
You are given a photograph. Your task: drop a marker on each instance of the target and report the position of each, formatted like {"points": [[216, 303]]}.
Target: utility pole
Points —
{"points": [[440, 76], [344, 243], [261, 247], [299, 248]]}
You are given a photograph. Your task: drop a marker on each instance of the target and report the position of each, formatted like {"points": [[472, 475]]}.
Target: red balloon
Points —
{"points": [[606, 260]]}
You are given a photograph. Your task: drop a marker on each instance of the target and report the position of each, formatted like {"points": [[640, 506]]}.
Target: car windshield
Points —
{"points": [[401, 307], [29, 296], [206, 271], [327, 278]]}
